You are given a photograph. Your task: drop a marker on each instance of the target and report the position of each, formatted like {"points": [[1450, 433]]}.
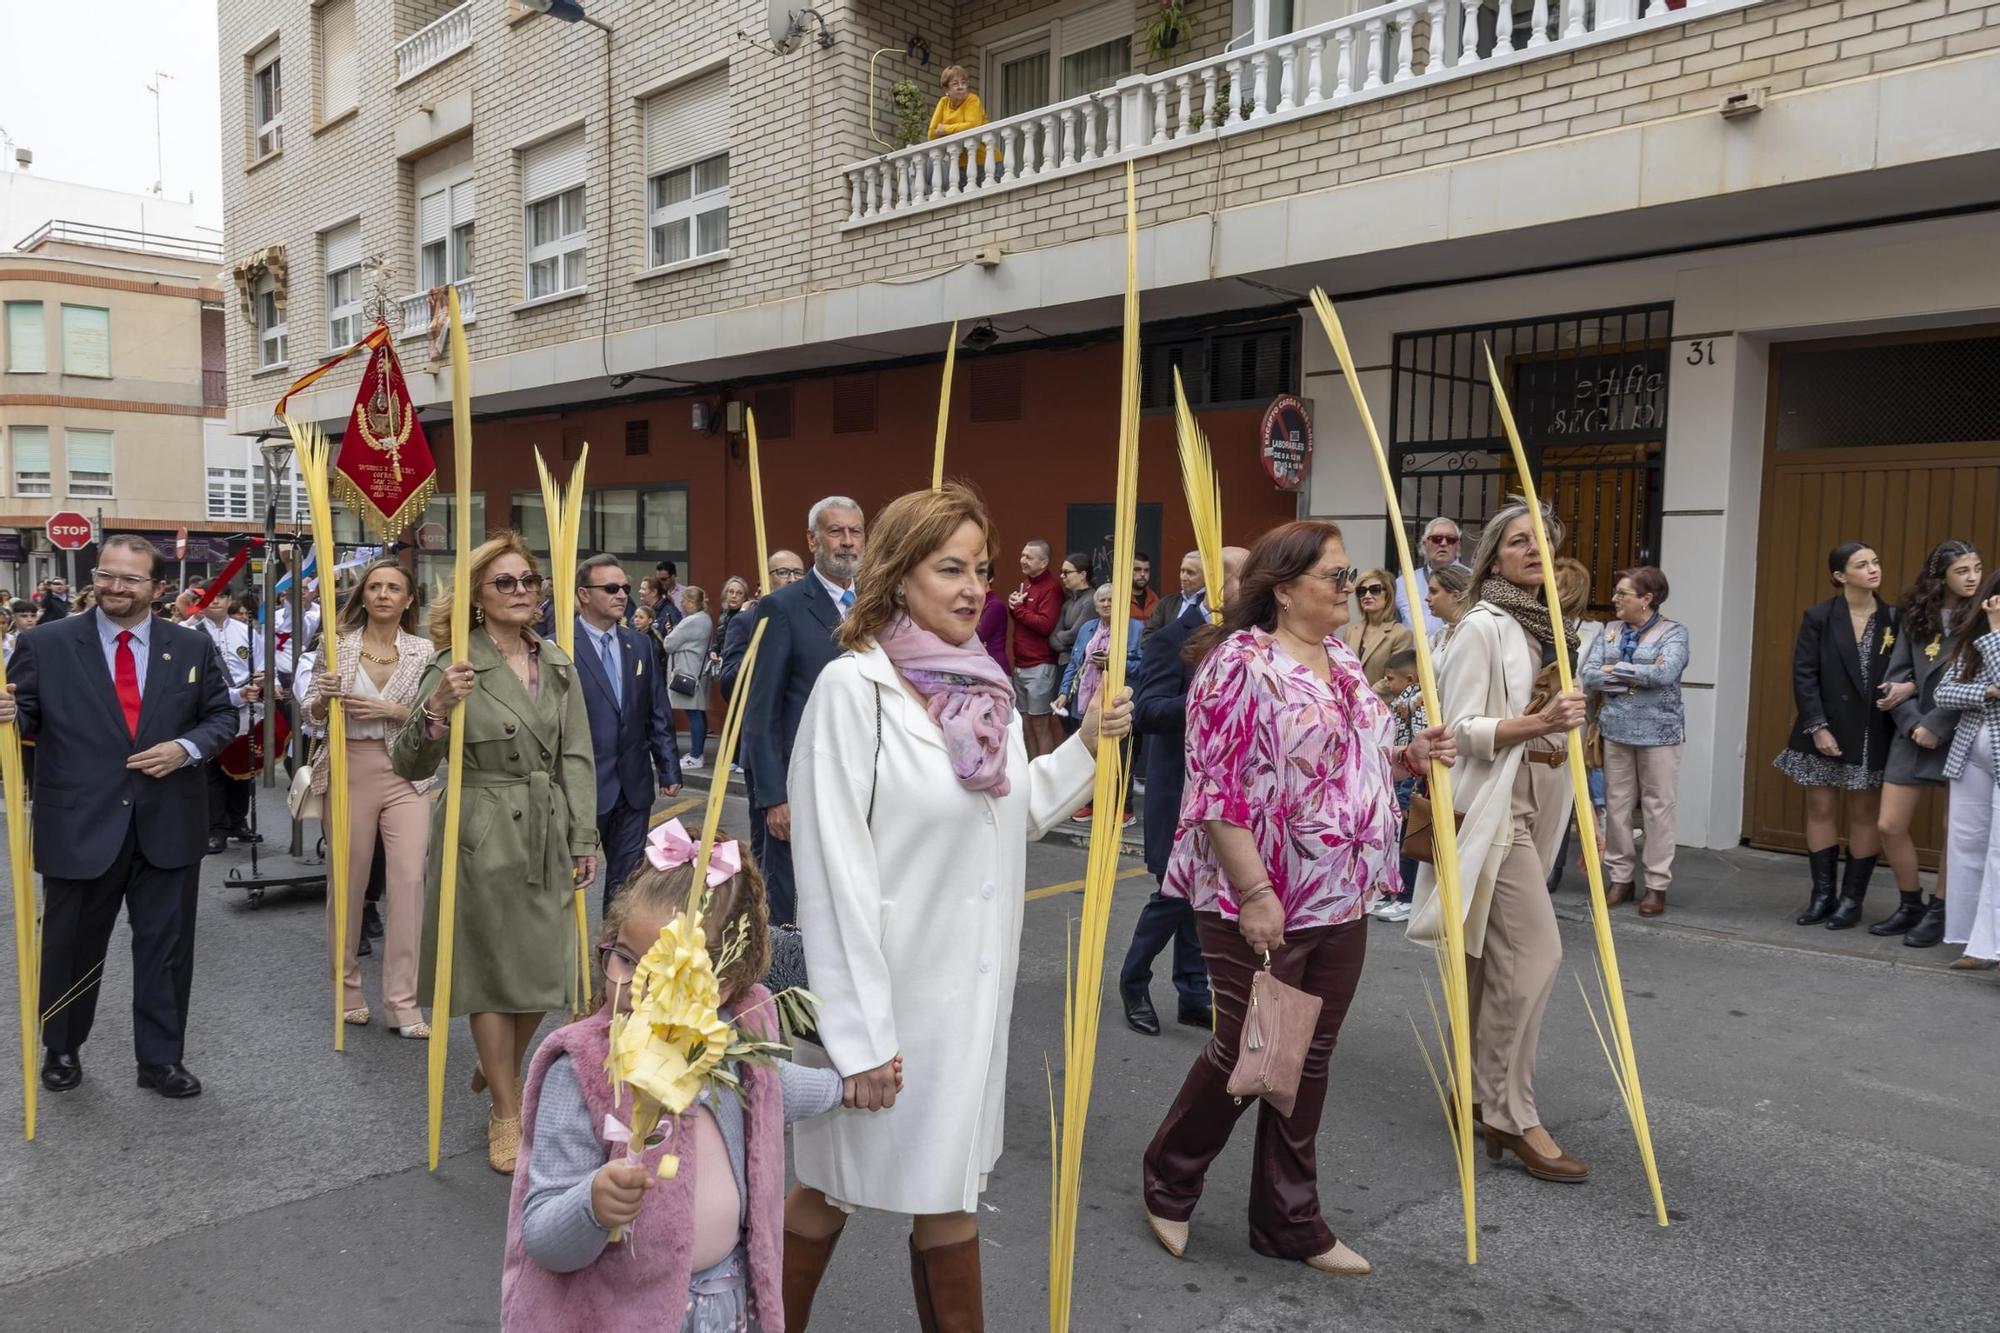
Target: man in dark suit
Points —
{"points": [[631, 731], [798, 642], [1159, 710], [123, 708]]}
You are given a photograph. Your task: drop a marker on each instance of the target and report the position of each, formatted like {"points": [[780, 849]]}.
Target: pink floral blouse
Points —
{"points": [[1305, 768]]}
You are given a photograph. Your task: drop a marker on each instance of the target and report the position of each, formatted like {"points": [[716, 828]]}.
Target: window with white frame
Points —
{"points": [[27, 341], [446, 206], [339, 83], [86, 341], [229, 493], [270, 325], [267, 102], [88, 454], [552, 194], [31, 460], [342, 248], [292, 504], [1069, 56], [687, 170]]}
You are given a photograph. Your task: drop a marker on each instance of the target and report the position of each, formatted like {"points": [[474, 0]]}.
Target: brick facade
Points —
{"points": [[798, 120]]}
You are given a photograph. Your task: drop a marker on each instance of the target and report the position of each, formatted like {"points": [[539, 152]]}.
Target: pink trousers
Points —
{"points": [[378, 799]]}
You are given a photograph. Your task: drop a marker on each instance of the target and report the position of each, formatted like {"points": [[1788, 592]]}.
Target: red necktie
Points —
{"points": [[127, 680]]}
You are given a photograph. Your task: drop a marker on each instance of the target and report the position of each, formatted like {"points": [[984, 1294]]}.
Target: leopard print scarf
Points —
{"points": [[1529, 611]]}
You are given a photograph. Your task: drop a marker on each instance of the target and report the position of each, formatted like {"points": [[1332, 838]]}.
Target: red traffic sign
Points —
{"points": [[1286, 442], [430, 537], [181, 542], [68, 531]]}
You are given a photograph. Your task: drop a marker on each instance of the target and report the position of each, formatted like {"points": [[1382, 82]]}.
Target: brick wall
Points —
{"points": [[798, 120]]}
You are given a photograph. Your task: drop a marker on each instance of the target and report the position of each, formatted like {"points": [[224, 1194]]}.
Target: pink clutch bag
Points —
{"points": [[1277, 1033]]}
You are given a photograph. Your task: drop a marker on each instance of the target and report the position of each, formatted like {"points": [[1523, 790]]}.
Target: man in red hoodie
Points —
{"points": [[1035, 607]]}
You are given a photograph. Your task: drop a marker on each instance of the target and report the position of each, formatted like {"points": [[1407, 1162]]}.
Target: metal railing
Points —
{"points": [[62, 232]]}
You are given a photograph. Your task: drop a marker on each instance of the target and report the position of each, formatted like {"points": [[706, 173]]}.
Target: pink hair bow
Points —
{"points": [[669, 845]]}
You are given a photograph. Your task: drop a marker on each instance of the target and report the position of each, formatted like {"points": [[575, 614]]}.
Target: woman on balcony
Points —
{"points": [[957, 111]]}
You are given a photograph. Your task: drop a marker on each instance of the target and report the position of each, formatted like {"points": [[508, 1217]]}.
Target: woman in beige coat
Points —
{"points": [[528, 830], [1377, 634], [1512, 819]]}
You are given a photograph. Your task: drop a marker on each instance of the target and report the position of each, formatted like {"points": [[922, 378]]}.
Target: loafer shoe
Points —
{"points": [[172, 1080], [1139, 1014], [61, 1071]]}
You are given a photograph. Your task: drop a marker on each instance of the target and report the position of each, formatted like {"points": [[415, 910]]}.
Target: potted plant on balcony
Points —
{"points": [[1168, 27], [912, 116]]}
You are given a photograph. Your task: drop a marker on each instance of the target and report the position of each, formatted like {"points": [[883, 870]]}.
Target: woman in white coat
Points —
{"points": [[1512, 821], [913, 801]]}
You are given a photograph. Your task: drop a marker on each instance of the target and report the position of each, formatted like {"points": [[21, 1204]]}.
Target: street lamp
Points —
{"points": [[569, 11], [277, 451]]}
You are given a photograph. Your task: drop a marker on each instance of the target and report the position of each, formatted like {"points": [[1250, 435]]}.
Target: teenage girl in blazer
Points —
{"points": [[1840, 742]]}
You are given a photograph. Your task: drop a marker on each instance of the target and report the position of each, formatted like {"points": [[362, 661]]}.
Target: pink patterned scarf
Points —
{"points": [[966, 694]]}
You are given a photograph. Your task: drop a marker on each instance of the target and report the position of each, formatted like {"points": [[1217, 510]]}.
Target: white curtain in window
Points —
{"points": [[89, 451], [86, 334], [339, 79], [31, 449]]}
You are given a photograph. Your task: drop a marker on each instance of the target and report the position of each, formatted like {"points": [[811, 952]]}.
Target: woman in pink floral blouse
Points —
{"points": [[1288, 830]]}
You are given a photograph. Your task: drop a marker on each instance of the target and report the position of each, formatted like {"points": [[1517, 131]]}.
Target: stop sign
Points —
{"points": [[430, 537], [181, 543], [68, 531]]}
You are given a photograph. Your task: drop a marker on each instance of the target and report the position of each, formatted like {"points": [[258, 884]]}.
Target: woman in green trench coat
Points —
{"points": [[527, 828]]}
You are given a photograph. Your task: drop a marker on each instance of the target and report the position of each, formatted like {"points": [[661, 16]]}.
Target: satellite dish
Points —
{"points": [[784, 25]]}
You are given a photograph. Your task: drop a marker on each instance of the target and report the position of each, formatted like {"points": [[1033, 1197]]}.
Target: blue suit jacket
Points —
{"points": [[1159, 710], [798, 643], [85, 797], [634, 743]]}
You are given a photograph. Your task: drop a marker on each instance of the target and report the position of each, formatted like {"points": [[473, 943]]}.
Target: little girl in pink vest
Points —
{"points": [[701, 1253]]}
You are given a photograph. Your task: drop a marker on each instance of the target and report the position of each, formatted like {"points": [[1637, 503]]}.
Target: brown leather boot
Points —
{"points": [[946, 1280], [1654, 903], [1617, 894], [805, 1264]]}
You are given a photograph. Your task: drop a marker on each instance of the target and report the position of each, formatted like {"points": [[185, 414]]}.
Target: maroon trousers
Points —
{"points": [[1285, 1220]]}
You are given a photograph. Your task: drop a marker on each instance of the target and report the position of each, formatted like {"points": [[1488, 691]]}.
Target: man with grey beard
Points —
{"points": [[799, 623]]}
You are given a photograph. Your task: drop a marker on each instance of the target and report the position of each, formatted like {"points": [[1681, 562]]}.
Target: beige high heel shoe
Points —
{"points": [[503, 1143], [1173, 1236], [1340, 1261]]}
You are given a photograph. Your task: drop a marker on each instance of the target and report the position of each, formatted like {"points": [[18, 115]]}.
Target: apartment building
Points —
{"points": [[112, 387], [1732, 256]]}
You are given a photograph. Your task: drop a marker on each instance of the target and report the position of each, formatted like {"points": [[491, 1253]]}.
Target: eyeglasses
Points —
{"points": [[1340, 578], [788, 572], [613, 588], [106, 578], [619, 966], [1440, 539], [507, 583], [1372, 590]]}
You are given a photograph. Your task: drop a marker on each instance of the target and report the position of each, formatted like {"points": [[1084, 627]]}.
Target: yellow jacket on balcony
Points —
{"points": [[947, 119]]}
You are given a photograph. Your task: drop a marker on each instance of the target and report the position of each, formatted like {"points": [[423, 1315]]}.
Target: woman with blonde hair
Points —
{"points": [[1378, 634], [913, 802], [686, 648], [381, 660], [528, 831]]}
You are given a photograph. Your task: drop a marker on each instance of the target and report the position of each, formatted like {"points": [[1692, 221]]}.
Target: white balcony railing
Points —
{"points": [[417, 309], [435, 43], [1363, 56]]}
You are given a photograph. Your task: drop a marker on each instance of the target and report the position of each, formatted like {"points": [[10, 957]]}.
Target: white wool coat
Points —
{"points": [[1486, 676], [912, 927]]}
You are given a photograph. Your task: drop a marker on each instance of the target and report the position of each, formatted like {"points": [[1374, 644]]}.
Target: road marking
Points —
{"points": [[1072, 886], [679, 807]]}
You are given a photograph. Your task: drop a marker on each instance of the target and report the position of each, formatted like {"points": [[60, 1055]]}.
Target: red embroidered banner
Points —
{"points": [[384, 470]]}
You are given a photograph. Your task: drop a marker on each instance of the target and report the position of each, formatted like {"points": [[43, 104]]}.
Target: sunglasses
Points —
{"points": [[1340, 578], [1439, 539], [1372, 590], [506, 584], [613, 588]]}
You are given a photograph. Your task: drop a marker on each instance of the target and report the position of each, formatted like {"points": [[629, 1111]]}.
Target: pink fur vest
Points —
{"points": [[641, 1284]]}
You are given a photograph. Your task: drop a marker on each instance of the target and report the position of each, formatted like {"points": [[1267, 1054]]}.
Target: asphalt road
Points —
{"points": [[1826, 1128]]}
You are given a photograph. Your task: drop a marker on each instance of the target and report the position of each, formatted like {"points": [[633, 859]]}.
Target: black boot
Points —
{"points": [[1825, 865], [1853, 889], [1908, 912], [1928, 932]]}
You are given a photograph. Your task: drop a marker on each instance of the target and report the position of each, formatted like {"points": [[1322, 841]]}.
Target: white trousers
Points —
{"points": [[1972, 861]]}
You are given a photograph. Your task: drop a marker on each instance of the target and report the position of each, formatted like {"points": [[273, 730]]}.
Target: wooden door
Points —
{"points": [[1902, 499]]}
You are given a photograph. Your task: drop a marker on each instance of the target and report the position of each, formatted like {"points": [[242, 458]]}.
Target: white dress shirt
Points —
{"points": [[108, 631], [835, 591]]}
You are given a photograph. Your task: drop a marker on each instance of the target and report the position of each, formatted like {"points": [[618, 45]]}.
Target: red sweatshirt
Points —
{"points": [[1035, 617]]}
